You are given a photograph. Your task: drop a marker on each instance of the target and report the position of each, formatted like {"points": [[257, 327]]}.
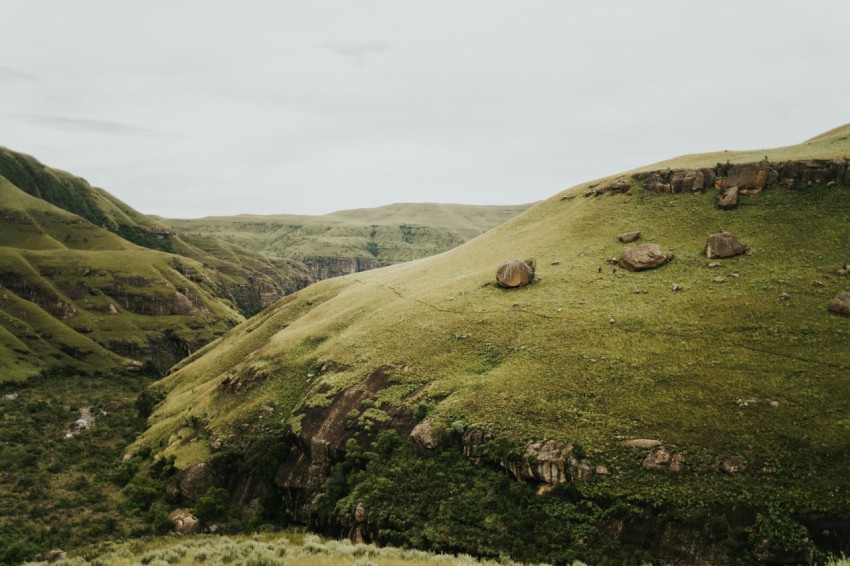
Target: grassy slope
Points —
{"points": [[57, 258], [392, 233], [546, 362]]}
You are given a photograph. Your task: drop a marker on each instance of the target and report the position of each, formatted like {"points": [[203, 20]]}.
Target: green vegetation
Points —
{"points": [[591, 356], [59, 491], [268, 549], [85, 280], [392, 233]]}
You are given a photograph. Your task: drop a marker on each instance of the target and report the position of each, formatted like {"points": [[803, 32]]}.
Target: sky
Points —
{"points": [[192, 108]]}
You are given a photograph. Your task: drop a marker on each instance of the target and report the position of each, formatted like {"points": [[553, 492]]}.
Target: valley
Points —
{"points": [[692, 410]]}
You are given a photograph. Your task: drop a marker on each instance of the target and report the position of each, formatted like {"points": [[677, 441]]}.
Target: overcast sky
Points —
{"points": [[192, 108]]}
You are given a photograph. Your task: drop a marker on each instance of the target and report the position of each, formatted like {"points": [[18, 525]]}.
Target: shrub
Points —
{"points": [[212, 505]]}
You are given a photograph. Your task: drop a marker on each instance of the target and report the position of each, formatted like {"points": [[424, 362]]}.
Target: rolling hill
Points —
{"points": [[697, 412], [89, 284], [350, 241]]}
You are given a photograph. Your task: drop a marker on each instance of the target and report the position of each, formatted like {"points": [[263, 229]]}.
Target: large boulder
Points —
{"points": [[196, 480], [723, 244], [728, 198], [840, 304], [425, 435], [515, 273], [690, 180], [643, 257], [184, 522]]}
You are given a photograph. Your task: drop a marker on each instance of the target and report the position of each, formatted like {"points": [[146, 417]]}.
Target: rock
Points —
{"points": [[752, 178], [546, 489], [617, 187], [733, 465], [714, 265], [515, 273], [424, 434], [133, 365], [629, 237], [818, 283], [644, 257], [728, 199], [556, 262], [844, 271], [840, 304], [675, 287], [662, 460], [359, 513], [784, 297], [53, 555], [641, 443], [196, 480], [474, 442], [184, 522], [111, 309], [723, 244], [602, 471], [691, 180], [719, 279]]}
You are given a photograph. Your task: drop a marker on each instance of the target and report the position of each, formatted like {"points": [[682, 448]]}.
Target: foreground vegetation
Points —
{"points": [[269, 549], [65, 491]]}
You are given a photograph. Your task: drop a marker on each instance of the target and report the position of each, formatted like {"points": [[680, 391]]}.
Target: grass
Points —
{"points": [[267, 549], [713, 371]]}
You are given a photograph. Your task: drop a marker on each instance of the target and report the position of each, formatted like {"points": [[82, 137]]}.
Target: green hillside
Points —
{"points": [[89, 284], [735, 386], [384, 235]]}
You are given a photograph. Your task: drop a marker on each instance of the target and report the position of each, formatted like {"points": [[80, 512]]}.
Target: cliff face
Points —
{"points": [[321, 267]]}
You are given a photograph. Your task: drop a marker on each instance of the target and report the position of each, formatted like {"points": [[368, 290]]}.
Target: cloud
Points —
{"points": [[87, 125], [358, 52], [10, 75]]}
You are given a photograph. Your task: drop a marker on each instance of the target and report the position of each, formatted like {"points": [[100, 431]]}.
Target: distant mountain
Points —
{"points": [[350, 241], [89, 284], [695, 412]]}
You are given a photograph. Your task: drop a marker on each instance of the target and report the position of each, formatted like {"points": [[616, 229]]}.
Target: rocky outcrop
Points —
{"points": [[515, 273], [748, 178], [546, 461], [322, 438], [661, 459], [723, 245], [549, 461], [644, 257], [323, 267], [618, 186], [751, 178], [840, 304]]}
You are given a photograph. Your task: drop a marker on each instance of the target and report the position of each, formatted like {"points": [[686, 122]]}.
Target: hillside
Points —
{"points": [[89, 284], [705, 425], [350, 241]]}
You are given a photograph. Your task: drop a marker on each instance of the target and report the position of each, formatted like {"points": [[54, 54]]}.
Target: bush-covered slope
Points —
{"points": [[738, 389]]}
